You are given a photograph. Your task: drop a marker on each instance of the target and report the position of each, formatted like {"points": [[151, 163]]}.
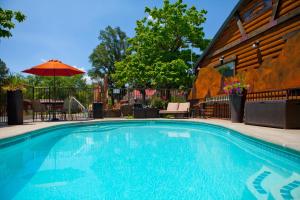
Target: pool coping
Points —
{"points": [[288, 139]]}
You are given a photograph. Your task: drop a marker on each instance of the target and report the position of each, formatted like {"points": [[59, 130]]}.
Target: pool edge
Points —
{"points": [[27, 134]]}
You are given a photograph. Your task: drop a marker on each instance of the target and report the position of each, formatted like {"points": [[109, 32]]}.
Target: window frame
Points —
{"points": [[265, 9], [226, 61]]}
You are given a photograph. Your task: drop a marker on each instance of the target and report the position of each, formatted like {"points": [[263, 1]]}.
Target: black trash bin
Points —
{"points": [[98, 110], [14, 107]]}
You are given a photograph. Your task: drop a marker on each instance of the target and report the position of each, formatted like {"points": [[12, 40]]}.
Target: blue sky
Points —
{"points": [[68, 29]]}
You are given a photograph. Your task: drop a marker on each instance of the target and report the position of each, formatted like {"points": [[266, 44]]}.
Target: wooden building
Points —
{"points": [[261, 40]]}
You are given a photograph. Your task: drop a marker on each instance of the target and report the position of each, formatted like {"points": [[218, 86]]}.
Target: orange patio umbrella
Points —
{"points": [[53, 68]]}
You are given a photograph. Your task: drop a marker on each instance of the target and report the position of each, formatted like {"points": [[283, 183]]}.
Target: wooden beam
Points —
{"points": [[276, 5], [241, 27], [288, 16], [259, 31]]}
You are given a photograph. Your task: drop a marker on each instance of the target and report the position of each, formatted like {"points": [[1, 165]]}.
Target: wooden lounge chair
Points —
{"points": [[177, 109], [184, 109], [171, 109]]}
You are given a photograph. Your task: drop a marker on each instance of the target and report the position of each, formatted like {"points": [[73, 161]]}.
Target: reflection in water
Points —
{"points": [[145, 161], [178, 135]]}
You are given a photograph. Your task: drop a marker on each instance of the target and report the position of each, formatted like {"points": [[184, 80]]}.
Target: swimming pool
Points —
{"points": [[145, 160]]}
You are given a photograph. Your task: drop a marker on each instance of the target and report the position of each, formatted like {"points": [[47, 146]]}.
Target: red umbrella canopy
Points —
{"points": [[54, 68]]}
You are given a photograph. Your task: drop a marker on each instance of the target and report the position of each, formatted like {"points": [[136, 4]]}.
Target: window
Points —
{"points": [[227, 69], [257, 9]]}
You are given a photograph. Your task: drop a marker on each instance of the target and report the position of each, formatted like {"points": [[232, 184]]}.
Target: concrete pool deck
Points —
{"points": [[284, 137]]}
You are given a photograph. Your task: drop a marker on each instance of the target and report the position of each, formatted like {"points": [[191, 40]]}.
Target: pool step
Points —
{"points": [[266, 183]]}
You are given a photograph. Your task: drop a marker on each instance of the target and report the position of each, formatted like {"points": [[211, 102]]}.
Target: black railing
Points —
{"points": [[214, 107], [3, 114], [56, 100], [84, 95], [144, 96], [284, 94]]}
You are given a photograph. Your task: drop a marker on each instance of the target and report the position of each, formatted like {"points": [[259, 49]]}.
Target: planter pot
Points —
{"points": [[152, 113], [14, 107], [98, 110], [112, 113], [237, 104], [139, 113]]}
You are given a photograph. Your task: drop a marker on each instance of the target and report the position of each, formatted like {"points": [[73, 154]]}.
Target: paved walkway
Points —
{"points": [[282, 137]]}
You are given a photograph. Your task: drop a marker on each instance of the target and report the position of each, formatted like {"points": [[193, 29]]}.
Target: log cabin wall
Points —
{"points": [[261, 36]]}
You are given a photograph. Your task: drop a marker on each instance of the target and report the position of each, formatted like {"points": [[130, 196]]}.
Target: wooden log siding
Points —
{"points": [[271, 36], [288, 6], [265, 39]]}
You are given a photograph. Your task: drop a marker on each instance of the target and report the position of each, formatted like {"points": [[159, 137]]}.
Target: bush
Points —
{"points": [[178, 99], [157, 102]]}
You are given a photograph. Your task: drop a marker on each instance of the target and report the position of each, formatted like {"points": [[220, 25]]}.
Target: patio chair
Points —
{"points": [[184, 109], [172, 107], [38, 107], [177, 109]]}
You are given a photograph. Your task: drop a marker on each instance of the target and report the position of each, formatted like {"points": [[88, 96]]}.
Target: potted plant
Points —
{"points": [[156, 104], [236, 88], [14, 87]]}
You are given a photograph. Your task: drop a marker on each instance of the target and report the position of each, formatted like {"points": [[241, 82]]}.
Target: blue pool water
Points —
{"points": [[146, 160]]}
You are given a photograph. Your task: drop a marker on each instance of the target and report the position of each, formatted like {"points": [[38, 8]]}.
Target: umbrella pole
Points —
{"points": [[54, 102]]}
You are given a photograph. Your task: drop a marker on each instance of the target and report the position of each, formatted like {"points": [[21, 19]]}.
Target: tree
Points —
{"points": [[6, 21], [77, 81], [172, 74], [112, 47], [3, 72], [160, 52]]}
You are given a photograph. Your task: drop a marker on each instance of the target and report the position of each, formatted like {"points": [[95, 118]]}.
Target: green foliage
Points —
{"points": [[6, 21], [171, 74], [133, 72], [15, 82], [112, 48], [159, 54], [3, 72], [157, 102], [129, 117], [77, 81], [169, 116], [178, 99]]}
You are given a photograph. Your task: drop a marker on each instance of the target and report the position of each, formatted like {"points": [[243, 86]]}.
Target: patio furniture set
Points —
{"points": [[178, 110], [58, 108]]}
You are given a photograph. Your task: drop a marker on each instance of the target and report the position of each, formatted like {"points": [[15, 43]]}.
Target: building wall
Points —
{"points": [[278, 55]]}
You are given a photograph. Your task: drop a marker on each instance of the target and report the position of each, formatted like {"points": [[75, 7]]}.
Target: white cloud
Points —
{"points": [[87, 78], [150, 18], [43, 60]]}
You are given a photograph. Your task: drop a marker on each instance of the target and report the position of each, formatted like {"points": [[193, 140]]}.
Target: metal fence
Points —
{"points": [[3, 115], [144, 96], [113, 98], [284, 94], [53, 99], [213, 107]]}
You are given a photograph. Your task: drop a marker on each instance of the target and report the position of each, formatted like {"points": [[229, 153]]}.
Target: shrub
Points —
{"points": [[157, 102]]}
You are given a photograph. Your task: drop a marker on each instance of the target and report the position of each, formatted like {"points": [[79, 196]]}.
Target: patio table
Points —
{"points": [[53, 106]]}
